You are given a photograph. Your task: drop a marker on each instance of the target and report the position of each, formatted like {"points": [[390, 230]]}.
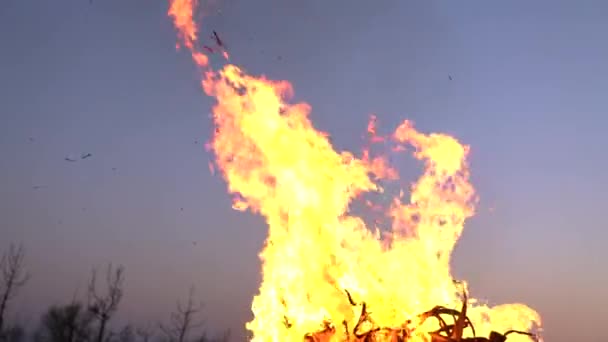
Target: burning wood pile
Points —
{"points": [[366, 331]]}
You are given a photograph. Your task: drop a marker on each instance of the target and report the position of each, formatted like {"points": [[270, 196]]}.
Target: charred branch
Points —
{"points": [[366, 331]]}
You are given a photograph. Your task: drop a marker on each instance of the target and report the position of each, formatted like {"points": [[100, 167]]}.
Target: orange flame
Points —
{"points": [[276, 164], [181, 11]]}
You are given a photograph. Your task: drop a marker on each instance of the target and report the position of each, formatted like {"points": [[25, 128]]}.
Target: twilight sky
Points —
{"points": [[528, 95]]}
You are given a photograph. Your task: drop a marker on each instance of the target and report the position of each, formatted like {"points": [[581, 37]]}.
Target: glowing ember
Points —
{"points": [[325, 274]]}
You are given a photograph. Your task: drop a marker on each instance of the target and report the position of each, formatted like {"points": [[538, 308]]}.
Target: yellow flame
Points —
{"points": [[279, 166]]}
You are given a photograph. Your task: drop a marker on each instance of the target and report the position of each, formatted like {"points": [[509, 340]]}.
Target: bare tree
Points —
{"points": [[183, 320], [69, 323], [14, 333], [126, 334], [104, 306], [13, 278], [144, 333], [224, 337]]}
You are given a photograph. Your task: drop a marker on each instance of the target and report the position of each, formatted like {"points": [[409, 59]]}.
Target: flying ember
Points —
{"points": [[327, 276]]}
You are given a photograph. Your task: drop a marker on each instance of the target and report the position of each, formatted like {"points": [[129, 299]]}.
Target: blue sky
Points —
{"points": [[527, 94]]}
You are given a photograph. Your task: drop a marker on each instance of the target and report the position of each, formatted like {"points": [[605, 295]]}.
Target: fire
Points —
{"points": [[323, 268]]}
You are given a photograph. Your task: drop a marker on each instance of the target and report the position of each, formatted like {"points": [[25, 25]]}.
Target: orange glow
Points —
{"points": [[181, 12], [278, 165], [200, 58]]}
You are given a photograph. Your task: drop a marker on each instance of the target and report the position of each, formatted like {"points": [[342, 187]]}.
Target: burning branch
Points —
{"points": [[446, 332]]}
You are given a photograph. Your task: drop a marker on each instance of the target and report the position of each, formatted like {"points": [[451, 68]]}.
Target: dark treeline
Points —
{"points": [[88, 320]]}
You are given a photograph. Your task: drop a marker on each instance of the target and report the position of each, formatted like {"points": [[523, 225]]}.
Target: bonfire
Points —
{"points": [[328, 274], [446, 333]]}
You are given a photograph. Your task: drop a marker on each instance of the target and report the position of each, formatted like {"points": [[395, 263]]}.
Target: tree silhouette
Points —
{"points": [[13, 277], [68, 323], [144, 333], [103, 306], [183, 320], [224, 337], [126, 334], [79, 322], [14, 333], [186, 319]]}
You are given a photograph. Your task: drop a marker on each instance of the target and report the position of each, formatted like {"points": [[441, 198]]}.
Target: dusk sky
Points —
{"points": [[528, 94]]}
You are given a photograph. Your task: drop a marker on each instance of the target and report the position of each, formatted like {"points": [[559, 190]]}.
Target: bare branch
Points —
{"points": [[145, 333], [103, 306], [92, 293], [184, 320], [14, 276]]}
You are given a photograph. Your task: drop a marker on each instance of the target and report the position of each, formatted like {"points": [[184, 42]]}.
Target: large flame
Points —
{"points": [[278, 165]]}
